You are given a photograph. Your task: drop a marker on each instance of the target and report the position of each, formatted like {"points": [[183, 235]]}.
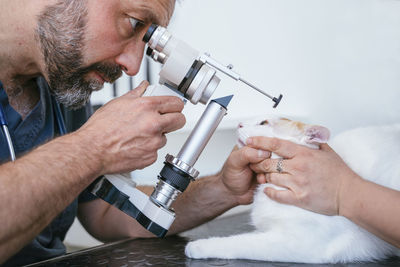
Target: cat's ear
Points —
{"points": [[317, 134]]}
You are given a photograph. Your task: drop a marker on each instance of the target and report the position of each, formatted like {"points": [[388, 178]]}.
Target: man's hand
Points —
{"points": [[315, 178], [126, 133], [237, 176]]}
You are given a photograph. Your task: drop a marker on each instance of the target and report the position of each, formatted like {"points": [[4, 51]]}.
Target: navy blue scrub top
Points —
{"points": [[37, 128]]}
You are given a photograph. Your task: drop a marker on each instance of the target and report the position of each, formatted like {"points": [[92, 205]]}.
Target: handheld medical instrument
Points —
{"points": [[189, 75]]}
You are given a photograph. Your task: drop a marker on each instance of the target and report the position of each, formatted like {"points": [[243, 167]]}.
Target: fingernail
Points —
{"points": [[249, 141], [263, 154]]}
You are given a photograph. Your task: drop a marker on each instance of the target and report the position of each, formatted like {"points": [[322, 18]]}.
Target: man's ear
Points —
{"points": [[317, 134]]}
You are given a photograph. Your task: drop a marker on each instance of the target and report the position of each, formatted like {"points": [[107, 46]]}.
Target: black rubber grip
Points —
{"points": [[175, 177]]}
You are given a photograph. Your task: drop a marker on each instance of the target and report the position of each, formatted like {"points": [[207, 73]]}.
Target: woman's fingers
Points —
{"points": [[272, 166], [283, 148]]}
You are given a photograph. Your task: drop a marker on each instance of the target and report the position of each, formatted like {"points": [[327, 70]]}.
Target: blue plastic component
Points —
{"points": [[224, 101]]}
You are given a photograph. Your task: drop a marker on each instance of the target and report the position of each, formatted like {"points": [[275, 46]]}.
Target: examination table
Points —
{"points": [[169, 251]]}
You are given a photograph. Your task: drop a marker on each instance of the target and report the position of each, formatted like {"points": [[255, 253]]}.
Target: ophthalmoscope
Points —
{"points": [[192, 76]]}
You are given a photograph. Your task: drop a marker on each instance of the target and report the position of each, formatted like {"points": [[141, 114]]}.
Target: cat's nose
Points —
{"points": [[240, 125]]}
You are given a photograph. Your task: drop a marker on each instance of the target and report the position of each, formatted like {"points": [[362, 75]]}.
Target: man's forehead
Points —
{"points": [[154, 11]]}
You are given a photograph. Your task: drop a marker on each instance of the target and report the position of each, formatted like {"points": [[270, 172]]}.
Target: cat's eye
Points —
{"points": [[264, 122], [136, 24]]}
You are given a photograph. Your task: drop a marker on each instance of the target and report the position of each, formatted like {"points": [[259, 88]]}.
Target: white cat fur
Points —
{"points": [[290, 234]]}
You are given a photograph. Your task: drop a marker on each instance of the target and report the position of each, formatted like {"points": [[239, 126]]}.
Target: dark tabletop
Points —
{"points": [[170, 251], [162, 252]]}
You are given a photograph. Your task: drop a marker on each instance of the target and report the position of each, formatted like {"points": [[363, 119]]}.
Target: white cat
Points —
{"points": [[290, 234]]}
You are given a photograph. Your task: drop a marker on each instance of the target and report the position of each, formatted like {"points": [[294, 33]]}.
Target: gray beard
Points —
{"points": [[60, 32]]}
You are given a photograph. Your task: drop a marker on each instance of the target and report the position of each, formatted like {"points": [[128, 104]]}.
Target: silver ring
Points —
{"points": [[279, 166]]}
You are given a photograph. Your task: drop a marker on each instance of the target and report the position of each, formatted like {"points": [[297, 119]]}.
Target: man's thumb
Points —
{"points": [[138, 91]]}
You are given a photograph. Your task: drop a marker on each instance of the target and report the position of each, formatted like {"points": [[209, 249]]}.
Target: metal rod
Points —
{"points": [[215, 64], [228, 71], [255, 88]]}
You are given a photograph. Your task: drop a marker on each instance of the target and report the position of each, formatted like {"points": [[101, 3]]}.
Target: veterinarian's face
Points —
{"points": [[88, 42]]}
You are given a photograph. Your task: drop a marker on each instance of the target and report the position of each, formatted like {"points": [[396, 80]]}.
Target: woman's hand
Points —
{"points": [[315, 178]]}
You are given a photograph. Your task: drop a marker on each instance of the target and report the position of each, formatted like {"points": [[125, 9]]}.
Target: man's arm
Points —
{"points": [[38, 186], [204, 199], [320, 181]]}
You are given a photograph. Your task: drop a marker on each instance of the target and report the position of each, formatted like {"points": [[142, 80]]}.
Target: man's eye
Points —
{"points": [[136, 24]]}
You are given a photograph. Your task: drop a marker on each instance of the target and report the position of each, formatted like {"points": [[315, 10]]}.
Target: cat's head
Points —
{"points": [[274, 126]]}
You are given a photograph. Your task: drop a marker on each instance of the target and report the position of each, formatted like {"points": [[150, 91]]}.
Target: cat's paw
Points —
{"points": [[196, 249]]}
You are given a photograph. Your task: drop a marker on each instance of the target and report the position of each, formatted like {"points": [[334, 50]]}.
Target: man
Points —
{"points": [[65, 49]]}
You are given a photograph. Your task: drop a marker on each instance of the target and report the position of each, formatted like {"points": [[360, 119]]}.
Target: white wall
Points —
{"points": [[337, 63]]}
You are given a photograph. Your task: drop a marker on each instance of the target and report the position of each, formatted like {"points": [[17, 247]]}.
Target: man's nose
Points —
{"points": [[131, 57]]}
